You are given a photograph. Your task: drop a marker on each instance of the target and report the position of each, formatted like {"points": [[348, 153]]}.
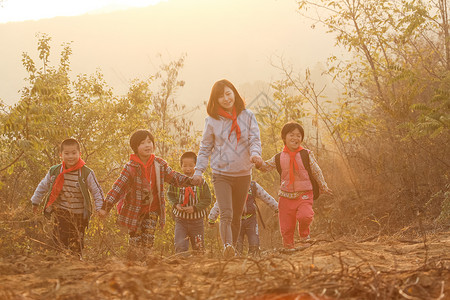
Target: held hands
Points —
{"points": [[102, 213], [188, 209], [211, 223], [196, 180], [257, 160]]}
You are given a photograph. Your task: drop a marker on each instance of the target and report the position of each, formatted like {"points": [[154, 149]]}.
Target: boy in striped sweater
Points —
{"points": [[189, 208], [67, 190]]}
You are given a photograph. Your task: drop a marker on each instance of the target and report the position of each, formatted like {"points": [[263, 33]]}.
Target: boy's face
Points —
{"points": [[70, 155], [145, 148], [293, 139], [187, 166]]}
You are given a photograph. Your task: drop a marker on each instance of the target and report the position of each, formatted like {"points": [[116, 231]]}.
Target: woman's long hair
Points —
{"points": [[217, 92]]}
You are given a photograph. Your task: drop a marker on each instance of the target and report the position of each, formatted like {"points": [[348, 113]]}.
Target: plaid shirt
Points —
{"points": [[130, 186]]}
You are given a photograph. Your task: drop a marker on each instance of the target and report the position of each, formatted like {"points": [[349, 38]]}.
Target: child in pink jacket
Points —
{"points": [[301, 182]]}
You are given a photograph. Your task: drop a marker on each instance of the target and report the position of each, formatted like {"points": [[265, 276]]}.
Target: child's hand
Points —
{"points": [[196, 180], [102, 213], [327, 192], [189, 209], [257, 160], [35, 209], [179, 207], [263, 167]]}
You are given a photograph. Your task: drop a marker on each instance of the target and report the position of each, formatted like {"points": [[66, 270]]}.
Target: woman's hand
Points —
{"points": [[196, 180], [257, 160]]}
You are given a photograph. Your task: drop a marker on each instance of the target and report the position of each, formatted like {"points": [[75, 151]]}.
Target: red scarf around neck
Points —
{"points": [[187, 191], [59, 181], [235, 125], [147, 167], [292, 162]]}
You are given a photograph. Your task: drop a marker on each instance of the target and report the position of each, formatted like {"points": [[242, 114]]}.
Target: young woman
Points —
{"points": [[231, 139]]}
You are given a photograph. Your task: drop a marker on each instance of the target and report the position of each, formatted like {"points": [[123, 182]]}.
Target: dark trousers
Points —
{"points": [[189, 230], [249, 228], [231, 193], [68, 230]]}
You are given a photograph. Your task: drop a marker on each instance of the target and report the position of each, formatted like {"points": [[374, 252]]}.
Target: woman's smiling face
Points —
{"points": [[226, 101]]}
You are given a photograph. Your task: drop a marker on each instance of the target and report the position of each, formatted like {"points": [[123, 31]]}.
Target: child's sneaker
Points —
{"points": [[305, 239], [288, 250], [228, 251]]}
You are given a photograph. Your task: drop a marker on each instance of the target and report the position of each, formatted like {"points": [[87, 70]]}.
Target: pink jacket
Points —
{"points": [[302, 181]]}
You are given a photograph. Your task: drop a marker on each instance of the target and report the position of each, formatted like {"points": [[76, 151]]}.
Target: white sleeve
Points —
{"points": [[317, 172], [42, 189], [254, 136], [95, 189], [206, 146], [265, 197]]}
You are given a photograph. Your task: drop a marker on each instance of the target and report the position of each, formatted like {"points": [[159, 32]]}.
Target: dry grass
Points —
{"points": [[387, 268]]}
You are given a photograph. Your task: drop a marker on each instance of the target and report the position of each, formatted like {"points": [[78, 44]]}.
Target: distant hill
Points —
{"points": [[236, 40]]}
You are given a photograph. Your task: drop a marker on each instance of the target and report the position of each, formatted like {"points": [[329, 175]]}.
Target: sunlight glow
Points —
{"points": [[24, 10]]}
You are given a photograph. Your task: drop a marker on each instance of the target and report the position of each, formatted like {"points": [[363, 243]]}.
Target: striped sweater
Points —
{"points": [[71, 197], [200, 201]]}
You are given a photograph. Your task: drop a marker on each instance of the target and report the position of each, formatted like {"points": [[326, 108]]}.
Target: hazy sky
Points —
{"points": [[24, 10], [233, 39]]}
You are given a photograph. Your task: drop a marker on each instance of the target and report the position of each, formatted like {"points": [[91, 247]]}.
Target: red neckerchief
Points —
{"points": [[232, 117], [187, 191], [59, 181], [292, 162], [146, 167]]}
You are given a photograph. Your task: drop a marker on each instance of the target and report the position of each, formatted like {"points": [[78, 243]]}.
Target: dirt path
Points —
{"points": [[382, 269]]}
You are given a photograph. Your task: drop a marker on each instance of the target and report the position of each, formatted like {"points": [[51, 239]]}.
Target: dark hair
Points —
{"points": [[188, 154], [216, 92], [138, 136], [289, 127], [69, 142]]}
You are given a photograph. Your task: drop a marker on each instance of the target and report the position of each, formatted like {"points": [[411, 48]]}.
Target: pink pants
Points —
{"points": [[292, 210]]}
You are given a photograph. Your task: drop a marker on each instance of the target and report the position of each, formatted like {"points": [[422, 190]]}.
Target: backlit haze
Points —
{"points": [[232, 39], [25, 10]]}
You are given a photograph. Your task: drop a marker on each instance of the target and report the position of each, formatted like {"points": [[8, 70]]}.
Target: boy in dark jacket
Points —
{"points": [[189, 208], [67, 190]]}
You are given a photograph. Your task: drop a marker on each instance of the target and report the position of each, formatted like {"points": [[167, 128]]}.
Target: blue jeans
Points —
{"points": [[249, 228], [185, 230]]}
